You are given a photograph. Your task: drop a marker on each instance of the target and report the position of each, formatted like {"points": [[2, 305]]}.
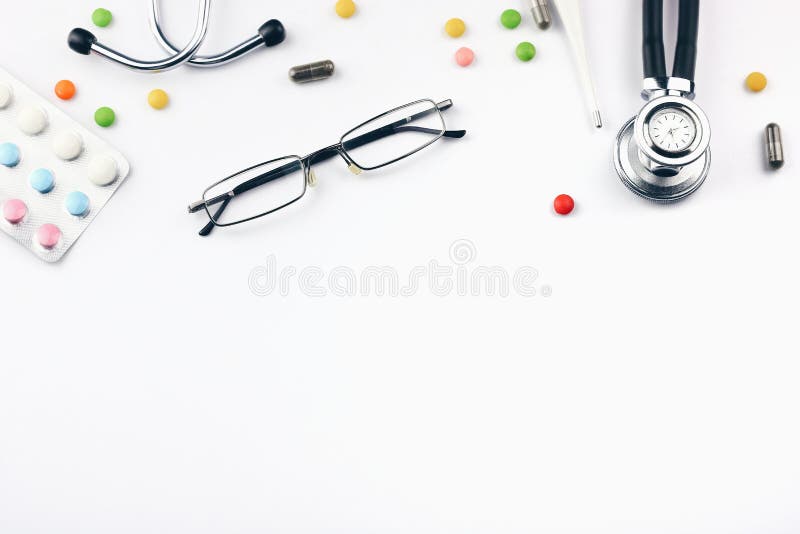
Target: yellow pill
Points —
{"points": [[158, 99], [455, 27], [345, 8], [756, 82]]}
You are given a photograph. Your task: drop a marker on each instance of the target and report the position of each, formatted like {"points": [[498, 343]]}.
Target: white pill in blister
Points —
{"points": [[6, 95], [67, 145], [102, 170], [32, 120]]}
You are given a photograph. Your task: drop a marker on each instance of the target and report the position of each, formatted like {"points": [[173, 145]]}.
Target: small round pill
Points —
{"points": [[564, 204], [42, 180], [756, 82], [510, 18], [101, 17], [465, 56], [345, 8], [65, 90], [48, 235], [9, 155], [102, 170], [67, 145], [526, 51], [105, 117], [14, 211], [455, 27], [77, 204], [32, 120], [158, 99], [6, 95]]}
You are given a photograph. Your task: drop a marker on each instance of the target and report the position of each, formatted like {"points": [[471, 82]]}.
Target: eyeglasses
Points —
{"points": [[273, 185]]}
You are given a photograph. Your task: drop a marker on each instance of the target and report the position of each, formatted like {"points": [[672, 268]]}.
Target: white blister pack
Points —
{"points": [[55, 175]]}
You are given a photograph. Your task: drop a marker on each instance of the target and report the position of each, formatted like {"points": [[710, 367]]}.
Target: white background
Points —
{"points": [[145, 388]]}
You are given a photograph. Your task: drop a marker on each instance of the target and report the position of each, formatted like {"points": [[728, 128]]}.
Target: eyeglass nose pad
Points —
{"points": [[355, 169], [351, 165], [311, 179]]}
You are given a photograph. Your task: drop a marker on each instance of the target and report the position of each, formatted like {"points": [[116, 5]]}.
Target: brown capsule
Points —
{"points": [[774, 143], [312, 72]]}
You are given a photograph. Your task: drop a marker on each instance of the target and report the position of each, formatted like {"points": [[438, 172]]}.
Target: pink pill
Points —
{"points": [[14, 211], [48, 235], [465, 56]]}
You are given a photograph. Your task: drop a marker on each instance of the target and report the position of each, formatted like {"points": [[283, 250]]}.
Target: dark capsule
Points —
{"points": [[774, 146], [312, 71]]}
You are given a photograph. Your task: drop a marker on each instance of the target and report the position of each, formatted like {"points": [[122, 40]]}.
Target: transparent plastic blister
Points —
{"points": [[37, 153]]}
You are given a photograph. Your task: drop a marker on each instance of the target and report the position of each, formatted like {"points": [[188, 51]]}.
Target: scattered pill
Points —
{"points": [[102, 170], [77, 204], [14, 211], [312, 72], [526, 51], [6, 95], [510, 18], [104, 117], [48, 235], [774, 142], [67, 145], [65, 90], [564, 204], [158, 99], [756, 82], [42, 180], [32, 120], [345, 8], [455, 27], [9, 155], [465, 56], [101, 17]]}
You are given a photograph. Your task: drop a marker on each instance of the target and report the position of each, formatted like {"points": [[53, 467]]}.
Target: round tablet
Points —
{"points": [[510, 18], [455, 27], [14, 211], [564, 204], [158, 99], [526, 51], [102, 170], [465, 56], [756, 82], [67, 145], [104, 117], [48, 235], [9, 155], [345, 8], [101, 17], [42, 180], [32, 120], [6, 95], [65, 90], [77, 204]]}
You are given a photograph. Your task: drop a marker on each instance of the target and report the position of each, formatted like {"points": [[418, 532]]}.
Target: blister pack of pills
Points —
{"points": [[55, 175]]}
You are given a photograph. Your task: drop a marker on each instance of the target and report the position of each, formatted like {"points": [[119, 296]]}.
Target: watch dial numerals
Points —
{"points": [[672, 130]]}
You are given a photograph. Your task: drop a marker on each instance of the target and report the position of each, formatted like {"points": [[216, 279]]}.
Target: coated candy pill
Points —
{"points": [[455, 27], [48, 235], [102, 170], [510, 18], [345, 8], [564, 204], [9, 155], [6, 95], [465, 56], [77, 204], [105, 117], [101, 17], [756, 82], [42, 180], [14, 211], [65, 90], [526, 51], [67, 145], [158, 99], [32, 120]]}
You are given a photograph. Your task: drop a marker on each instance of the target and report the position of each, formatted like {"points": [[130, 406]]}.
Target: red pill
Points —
{"points": [[564, 204]]}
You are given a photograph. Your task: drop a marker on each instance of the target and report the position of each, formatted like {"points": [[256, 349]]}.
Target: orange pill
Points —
{"points": [[65, 89]]}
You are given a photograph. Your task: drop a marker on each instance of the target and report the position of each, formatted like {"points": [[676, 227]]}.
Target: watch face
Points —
{"points": [[672, 130]]}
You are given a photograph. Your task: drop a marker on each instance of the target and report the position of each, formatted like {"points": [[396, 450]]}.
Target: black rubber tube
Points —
{"points": [[655, 66], [686, 50]]}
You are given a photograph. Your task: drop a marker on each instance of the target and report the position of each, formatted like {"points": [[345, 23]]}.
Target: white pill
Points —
{"points": [[6, 95], [67, 145], [32, 120], [102, 170]]}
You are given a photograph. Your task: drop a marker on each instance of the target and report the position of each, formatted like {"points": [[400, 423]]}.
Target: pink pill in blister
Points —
{"points": [[48, 235], [14, 211]]}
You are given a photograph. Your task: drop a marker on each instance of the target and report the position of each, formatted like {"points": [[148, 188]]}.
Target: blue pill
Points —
{"points": [[9, 154], [77, 204], [42, 180]]}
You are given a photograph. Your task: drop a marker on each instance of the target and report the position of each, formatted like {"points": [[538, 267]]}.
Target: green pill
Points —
{"points": [[101, 17], [526, 51], [104, 117], [510, 18]]}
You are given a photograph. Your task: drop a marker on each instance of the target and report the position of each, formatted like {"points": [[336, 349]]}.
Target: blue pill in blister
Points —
{"points": [[9, 154], [77, 204], [42, 180]]}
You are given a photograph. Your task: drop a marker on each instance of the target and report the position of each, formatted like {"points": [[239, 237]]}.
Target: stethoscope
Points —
{"points": [[663, 153], [270, 33]]}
